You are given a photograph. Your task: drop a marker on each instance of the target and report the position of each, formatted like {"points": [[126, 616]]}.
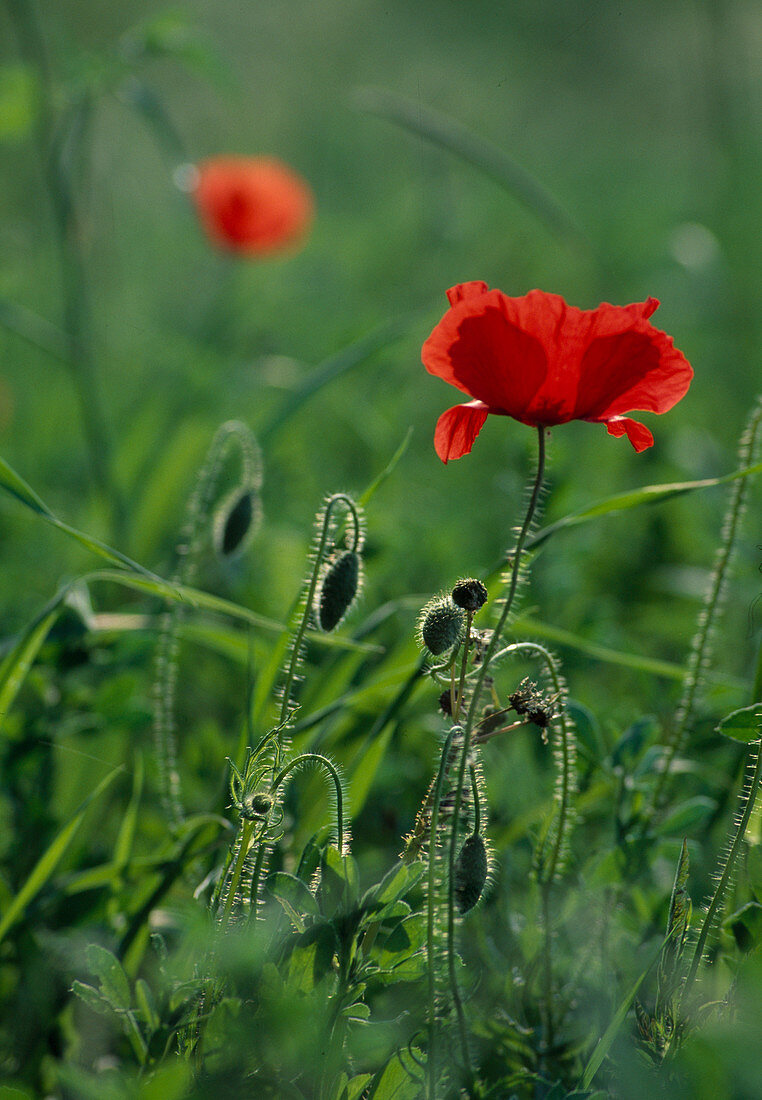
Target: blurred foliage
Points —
{"points": [[641, 122]]}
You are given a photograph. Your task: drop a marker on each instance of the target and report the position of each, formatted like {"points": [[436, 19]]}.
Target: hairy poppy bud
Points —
{"points": [[256, 805], [470, 872], [235, 522], [338, 589], [469, 594], [440, 625]]}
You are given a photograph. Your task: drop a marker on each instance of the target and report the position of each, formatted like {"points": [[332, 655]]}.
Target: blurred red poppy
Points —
{"points": [[544, 362], [252, 205]]}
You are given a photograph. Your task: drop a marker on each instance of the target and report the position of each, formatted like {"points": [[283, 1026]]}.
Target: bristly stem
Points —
{"points": [[301, 629], [431, 912], [739, 832], [318, 758], [701, 648], [468, 730]]}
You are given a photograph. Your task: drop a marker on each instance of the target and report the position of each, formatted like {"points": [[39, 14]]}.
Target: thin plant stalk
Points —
{"points": [[469, 725]]}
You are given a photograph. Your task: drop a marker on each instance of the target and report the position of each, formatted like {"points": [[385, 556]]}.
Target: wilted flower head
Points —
{"points": [[252, 205], [544, 362]]}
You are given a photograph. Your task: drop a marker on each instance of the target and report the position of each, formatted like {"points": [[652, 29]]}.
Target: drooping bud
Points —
{"points": [[470, 872], [470, 594], [235, 522], [440, 625], [338, 589]]}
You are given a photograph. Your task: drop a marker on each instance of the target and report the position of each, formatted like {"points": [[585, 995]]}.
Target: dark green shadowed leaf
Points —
{"points": [[743, 725], [110, 973]]}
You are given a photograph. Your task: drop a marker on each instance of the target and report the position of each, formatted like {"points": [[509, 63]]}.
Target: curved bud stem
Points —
{"points": [[317, 758]]}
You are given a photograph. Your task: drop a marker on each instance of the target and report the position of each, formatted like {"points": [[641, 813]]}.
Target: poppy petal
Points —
{"points": [[637, 433], [481, 346], [458, 428], [463, 291]]}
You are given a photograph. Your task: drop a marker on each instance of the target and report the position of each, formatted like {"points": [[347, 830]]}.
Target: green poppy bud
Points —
{"points": [[235, 522], [341, 581], [470, 872], [440, 625]]}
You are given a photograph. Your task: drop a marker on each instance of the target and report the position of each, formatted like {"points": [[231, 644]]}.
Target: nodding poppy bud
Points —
{"points": [[256, 805], [469, 594], [470, 872], [235, 522], [445, 702], [440, 625], [338, 589]]}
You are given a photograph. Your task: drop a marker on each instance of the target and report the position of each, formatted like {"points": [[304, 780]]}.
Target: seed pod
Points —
{"points": [[469, 594], [235, 521], [338, 590], [440, 625], [470, 872]]}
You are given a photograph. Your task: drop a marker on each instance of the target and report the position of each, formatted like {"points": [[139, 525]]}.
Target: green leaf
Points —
{"points": [[145, 1004], [394, 885], [402, 955], [339, 882], [312, 958], [48, 862], [110, 973], [744, 725], [635, 498], [93, 999], [356, 1087], [686, 817], [294, 896], [16, 665], [400, 1079], [746, 926], [603, 1045]]}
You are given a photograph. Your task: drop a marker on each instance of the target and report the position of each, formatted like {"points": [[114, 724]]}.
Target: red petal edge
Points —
{"points": [[637, 433], [463, 291], [458, 428]]}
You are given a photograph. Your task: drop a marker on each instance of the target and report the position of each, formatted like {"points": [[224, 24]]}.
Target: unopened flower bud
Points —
{"points": [[338, 589], [440, 625], [235, 521], [469, 594], [470, 872]]}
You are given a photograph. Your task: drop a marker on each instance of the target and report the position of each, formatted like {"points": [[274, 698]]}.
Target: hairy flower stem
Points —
{"points": [[235, 876], [317, 758], [431, 913], [467, 734], [727, 870], [338, 498], [701, 648]]}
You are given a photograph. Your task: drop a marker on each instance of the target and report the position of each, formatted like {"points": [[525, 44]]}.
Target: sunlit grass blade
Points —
{"points": [[387, 471], [48, 862], [18, 661], [488, 158], [635, 498], [14, 484]]}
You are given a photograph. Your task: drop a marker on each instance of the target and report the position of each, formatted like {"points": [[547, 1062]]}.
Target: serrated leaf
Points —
{"points": [[744, 725], [110, 973]]}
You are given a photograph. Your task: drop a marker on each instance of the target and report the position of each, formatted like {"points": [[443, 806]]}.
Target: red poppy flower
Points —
{"points": [[253, 205], [544, 362]]}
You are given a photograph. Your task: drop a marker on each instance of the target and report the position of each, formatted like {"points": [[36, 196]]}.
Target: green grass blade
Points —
{"points": [[635, 498], [387, 471], [604, 1043], [16, 665], [15, 485], [456, 138], [48, 862]]}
